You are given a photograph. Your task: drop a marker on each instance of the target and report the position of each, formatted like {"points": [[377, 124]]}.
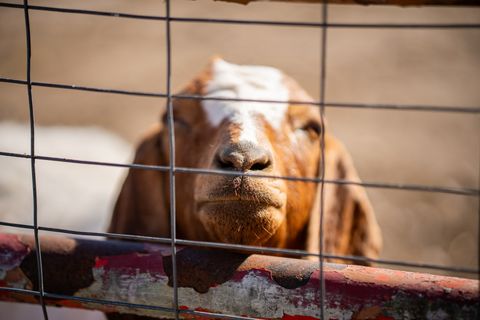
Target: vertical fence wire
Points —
{"points": [[171, 171], [32, 160], [323, 66]]}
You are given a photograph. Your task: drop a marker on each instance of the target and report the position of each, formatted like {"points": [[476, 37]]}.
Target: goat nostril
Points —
{"points": [[224, 164], [229, 159], [243, 157], [261, 165]]}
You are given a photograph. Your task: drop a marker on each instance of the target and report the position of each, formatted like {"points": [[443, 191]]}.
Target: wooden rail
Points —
{"points": [[402, 3], [78, 273]]}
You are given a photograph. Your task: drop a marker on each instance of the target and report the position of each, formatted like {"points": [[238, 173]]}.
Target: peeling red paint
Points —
{"points": [[3, 283], [71, 303], [382, 278], [399, 3], [99, 262], [352, 292], [132, 263], [458, 285], [12, 251]]}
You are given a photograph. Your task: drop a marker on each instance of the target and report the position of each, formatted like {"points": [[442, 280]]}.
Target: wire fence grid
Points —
{"points": [[172, 169]]}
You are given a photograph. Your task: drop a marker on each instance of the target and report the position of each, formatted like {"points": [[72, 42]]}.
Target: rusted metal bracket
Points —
{"points": [[403, 3], [222, 282]]}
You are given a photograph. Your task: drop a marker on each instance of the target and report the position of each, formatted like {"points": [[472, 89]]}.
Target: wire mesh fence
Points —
{"points": [[324, 26]]}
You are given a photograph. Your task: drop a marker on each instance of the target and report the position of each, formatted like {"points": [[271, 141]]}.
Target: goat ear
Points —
{"points": [[350, 225], [142, 204]]}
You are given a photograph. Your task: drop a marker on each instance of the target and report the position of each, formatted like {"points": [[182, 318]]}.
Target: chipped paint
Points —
{"points": [[253, 293], [402, 3], [229, 283], [12, 253]]}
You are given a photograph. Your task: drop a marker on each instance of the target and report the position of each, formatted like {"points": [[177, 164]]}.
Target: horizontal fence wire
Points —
{"points": [[109, 302], [209, 315], [146, 307], [471, 192], [27, 292], [250, 249], [121, 304], [172, 169], [252, 22], [427, 108]]}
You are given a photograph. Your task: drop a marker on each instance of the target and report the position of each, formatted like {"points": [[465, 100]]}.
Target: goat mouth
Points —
{"points": [[237, 201]]}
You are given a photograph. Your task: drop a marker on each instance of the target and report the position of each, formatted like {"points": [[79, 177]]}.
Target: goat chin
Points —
{"points": [[240, 210], [241, 222]]}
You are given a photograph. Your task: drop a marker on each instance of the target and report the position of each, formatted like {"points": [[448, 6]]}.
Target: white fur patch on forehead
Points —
{"points": [[245, 82]]}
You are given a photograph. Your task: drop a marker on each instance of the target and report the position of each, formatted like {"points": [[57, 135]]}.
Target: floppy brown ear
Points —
{"points": [[142, 204], [350, 225]]}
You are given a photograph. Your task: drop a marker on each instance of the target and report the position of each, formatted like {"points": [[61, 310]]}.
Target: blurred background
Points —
{"points": [[392, 66]]}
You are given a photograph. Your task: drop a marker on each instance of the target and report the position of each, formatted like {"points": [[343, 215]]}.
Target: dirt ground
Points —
{"points": [[427, 67]]}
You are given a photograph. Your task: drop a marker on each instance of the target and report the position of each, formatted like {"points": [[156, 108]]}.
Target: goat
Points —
{"points": [[275, 139]]}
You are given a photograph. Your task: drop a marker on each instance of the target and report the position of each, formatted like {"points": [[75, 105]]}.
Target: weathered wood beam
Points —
{"points": [[221, 282], [403, 3]]}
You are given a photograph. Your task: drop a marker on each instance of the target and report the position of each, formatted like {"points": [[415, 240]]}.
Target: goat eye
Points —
{"points": [[181, 122], [177, 121], [312, 127]]}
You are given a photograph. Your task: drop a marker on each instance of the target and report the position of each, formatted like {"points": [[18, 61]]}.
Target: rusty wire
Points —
{"points": [[172, 169]]}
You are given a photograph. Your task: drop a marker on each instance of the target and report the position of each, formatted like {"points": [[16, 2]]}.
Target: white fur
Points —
{"points": [[246, 82]]}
